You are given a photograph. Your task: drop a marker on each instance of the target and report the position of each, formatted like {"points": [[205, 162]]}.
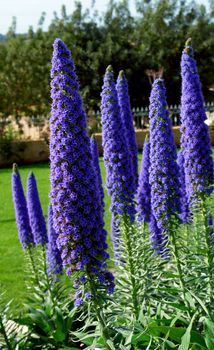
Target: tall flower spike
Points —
{"points": [[95, 159], [54, 261], [195, 140], [119, 178], [157, 238], [20, 205], [185, 212], [127, 118], [36, 217], [77, 214], [163, 177], [144, 190], [211, 232]]}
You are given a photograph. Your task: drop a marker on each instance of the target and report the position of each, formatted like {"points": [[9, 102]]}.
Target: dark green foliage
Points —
{"points": [[151, 40]]}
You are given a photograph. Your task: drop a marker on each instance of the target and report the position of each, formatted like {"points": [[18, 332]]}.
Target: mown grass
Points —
{"points": [[12, 266]]}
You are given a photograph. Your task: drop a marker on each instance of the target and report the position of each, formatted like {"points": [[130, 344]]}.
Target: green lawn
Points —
{"points": [[12, 273]]}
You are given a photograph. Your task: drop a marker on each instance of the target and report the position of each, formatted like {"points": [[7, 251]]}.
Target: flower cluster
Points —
{"points": [[95, 159], [211, 231], [77, 214], [144, 190], [115, 150], [36, 217], [157, 237], [127, 118], [54, 261], [185, 212], [20, 205], [163, 177], [119, 178], [195, 140]]}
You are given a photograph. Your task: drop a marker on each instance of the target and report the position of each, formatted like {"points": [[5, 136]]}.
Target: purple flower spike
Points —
{"points": [[163, 177], [144, 189], [127, 118], [185, 212], [158, 240], [54, 261], [119, 180], [195, 140], [77, 213], [36, 217], [211, 231], [20, 205], [95, 159]]}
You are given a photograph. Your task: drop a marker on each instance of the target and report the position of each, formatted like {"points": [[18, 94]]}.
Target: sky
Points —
{"points": [[28, 12]]}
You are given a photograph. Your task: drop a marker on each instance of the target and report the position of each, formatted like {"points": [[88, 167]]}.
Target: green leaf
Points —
{"points": [[110, 344], [185, 341], [87, 339], [179, 306], [176, 333], [209, 334], [59, 336]]}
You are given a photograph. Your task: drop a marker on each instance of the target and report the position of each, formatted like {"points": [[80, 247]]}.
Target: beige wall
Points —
{"points": [[27, 152]]}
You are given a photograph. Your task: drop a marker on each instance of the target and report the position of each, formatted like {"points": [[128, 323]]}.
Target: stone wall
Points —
{"points": [[28, 152], [140, 136], [23, 152]]}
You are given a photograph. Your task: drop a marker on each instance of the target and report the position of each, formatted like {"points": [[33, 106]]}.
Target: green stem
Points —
{"points": [[178, 266], [46, 273], [145, 265], [99, 313], [209, 259], [29, 249], [130, 264], [5, 335]]}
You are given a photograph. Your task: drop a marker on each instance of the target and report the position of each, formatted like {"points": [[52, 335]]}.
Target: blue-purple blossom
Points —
{"points": [[144, 190], [119, 177], [127, 118], [211, 231], [95, 159], [195, 140], [20, 205], [81, 235], [184, 212], [36, 217], [54, 260], [163, 177], [157, 238]]}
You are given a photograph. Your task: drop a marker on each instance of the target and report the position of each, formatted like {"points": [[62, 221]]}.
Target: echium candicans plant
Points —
{"points": [[195, 143], [127, 118], [36, 217], [195, 140], [77, 214], [163, 174], [20, 205], [185, 211], [119, 179], [22, 219], [143, 197], [54, 260], [95, 160]]}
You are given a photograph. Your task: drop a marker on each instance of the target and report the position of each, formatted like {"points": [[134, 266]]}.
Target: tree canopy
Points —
{"points": [[153, 39]]}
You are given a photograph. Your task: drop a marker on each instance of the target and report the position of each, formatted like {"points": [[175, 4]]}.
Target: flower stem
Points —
{"points": [[178, 266], [30, 253], [45, 270], [210, 255], [130, 264], [99, 313]]}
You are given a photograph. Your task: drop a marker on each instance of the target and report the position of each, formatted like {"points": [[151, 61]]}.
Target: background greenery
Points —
{"points": [[153, 39]]}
